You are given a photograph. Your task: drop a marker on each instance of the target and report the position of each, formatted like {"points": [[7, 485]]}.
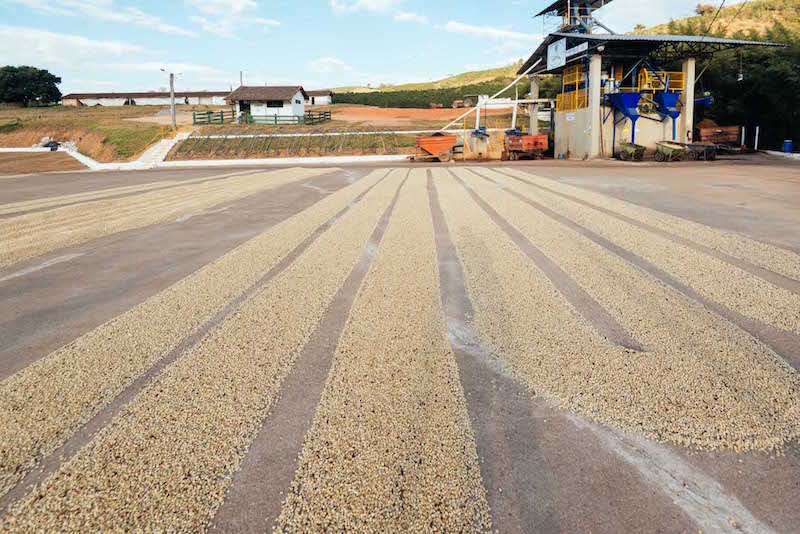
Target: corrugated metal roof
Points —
{"points": [[320, 92], [154, 94], [264, 93], [663, 39], [681, 46]]}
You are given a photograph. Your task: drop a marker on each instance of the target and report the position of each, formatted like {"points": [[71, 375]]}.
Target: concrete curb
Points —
{"points": [[154, 158], [787, 155], [8, 150], [283, 161]]}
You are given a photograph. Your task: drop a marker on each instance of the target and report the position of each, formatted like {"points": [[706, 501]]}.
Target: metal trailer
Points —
{"points": [[436, 147], [519, 146]]}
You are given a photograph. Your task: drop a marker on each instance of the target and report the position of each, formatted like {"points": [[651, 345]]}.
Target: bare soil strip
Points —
{"points": [[391, 447], [165, 462], [696, 387], [112, 192], [258, 490], [787, 345], [45, 403], [713, 278], [773, 263], [31, 235]]}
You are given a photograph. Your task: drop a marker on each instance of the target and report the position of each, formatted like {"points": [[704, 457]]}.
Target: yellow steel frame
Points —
{"points": [[652, 83], [571, 96], [573, 100]]}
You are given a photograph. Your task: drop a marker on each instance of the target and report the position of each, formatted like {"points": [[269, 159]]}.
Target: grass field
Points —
{"points": [[100, 133], [109, 134]]}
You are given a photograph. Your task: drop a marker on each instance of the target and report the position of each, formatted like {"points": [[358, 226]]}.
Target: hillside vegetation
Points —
{"points": [[460, 80], [757, 16], [751, 85]]}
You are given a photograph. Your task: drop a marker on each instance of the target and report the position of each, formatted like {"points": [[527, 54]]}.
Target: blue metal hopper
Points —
{"points": [[628, 105], [667, 105]]}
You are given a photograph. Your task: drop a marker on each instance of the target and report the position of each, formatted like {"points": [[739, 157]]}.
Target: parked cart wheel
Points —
{"points": [[446, 157], [623, 155], [659, 156], [693, 155]]}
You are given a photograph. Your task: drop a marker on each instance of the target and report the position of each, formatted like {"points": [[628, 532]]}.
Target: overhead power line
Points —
{"points": [[713, 20], [734, 17]]}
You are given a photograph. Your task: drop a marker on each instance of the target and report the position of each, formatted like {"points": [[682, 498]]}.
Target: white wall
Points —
{"points": [[573, 132], [161, 101], [289, 109], [103, 101], [298, 110], [320, 101], [155, 101]]}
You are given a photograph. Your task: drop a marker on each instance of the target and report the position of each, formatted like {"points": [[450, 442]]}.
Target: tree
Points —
{"points": [[639, 28], [704, 9], [28, 85]]}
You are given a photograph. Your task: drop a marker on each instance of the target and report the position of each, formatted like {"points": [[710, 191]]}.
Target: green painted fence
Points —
{"points": [[213, 117], [310, 118]]}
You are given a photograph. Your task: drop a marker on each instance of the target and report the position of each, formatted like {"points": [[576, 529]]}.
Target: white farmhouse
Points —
{"points": [[323, 97], [264, 101]]}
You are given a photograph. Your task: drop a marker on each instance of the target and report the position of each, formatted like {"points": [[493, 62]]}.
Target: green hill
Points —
{"points": [[460, 80], [756, 16]]}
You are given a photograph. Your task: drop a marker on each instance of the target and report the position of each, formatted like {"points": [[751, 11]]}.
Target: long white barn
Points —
{"points": [[195, 98]]}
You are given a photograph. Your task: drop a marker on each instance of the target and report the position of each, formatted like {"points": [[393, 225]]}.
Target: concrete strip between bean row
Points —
{"points": [[165, 462], [48, 401], [391, 448]]}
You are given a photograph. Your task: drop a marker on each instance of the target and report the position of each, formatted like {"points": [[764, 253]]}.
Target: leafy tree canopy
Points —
{"points": [[28, 85]]}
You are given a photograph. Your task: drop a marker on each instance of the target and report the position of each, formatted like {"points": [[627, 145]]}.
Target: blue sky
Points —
{"points": [[105, 45]]}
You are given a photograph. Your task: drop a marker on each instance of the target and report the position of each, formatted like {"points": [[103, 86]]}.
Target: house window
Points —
{"points": [[274, 103], [297, 102]]}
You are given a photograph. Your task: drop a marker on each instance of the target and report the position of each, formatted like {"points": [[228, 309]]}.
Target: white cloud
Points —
{"points": [[222, 8], [19, 45], [329, 64], [106, 11], [226, 17], [373, 6], [490, 32], [406, 16], [266, 22], [155, 67]]}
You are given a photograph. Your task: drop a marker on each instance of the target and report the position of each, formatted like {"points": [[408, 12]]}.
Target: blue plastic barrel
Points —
{"points": [[788, 146]]}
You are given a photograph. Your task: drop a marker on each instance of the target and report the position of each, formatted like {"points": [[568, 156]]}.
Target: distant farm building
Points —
{"points": [[263, 101], [323, 97], [195, 98]]}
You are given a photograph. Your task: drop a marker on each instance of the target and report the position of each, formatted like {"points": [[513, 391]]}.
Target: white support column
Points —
{"points": [[687, 97], [595, 69], [534, 108]]}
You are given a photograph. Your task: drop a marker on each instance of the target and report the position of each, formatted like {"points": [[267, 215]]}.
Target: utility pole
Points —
{"points": [[241, 78], [172, 98]]}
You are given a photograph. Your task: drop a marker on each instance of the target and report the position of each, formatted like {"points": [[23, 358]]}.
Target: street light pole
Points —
{"points": [[172, 98]]}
